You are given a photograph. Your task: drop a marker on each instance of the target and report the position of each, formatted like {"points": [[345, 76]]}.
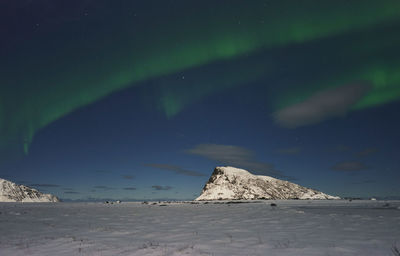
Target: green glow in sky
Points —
{"points": [[57, 71]]}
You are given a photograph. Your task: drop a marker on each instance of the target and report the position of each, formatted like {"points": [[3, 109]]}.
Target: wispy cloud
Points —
{"points": [[130, 188], [158, 187], [349, 166], [44, 185], [290, 151], [109, 172], [103, 187], [235, 156], [128, 177], [71, 192], [176, 169], [321, 106], [366, 152]]}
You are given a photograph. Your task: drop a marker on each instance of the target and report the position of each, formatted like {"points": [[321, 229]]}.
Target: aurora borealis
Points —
{"points": [[296, 66]]}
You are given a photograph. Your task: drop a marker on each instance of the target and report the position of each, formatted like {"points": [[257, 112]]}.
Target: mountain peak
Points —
{"points": [[11, 192], [230, 183]]}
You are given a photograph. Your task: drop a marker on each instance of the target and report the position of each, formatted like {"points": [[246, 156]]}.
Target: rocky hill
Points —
{"points": [[229, 183], [11, 192]]}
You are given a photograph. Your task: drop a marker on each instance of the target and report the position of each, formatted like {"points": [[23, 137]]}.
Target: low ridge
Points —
{"points": [[230, 183], [11, 192]]}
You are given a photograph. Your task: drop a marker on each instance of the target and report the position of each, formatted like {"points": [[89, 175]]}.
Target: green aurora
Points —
{"points": [[61, 69]]}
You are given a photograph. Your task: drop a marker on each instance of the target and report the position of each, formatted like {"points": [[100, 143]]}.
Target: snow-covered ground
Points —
{"points": [[335, 227]]}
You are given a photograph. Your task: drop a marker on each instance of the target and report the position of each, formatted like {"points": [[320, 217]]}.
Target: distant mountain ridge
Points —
{"points": [[230, 183], [11, 192]]}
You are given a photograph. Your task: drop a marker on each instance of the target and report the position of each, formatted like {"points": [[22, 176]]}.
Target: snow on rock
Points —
{"points": [[11, 192], [229, 183]]}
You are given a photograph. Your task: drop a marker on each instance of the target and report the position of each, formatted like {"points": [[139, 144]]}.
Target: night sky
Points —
{"points": [[139, 100]]}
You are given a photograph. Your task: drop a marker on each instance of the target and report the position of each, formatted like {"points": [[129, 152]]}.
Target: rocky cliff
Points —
{"points": [[11, 192], [229, 183]]}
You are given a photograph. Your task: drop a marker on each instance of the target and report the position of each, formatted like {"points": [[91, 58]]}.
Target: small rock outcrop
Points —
{"points": [[11, 192], [229, 183]]}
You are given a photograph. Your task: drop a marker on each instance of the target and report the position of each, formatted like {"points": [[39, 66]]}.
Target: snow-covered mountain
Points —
{"points": [[11, 192], [229, 183]]}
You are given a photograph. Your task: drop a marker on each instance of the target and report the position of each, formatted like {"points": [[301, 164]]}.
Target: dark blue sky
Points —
{"points": [[150, 118]]}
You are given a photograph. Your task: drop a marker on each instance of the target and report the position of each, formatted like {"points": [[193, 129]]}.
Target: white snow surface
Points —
{"points": [[230, 183], [11, 192], [293, 227]]}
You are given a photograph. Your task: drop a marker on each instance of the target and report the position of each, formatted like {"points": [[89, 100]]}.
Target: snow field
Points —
{"points": [[291, 228]]}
